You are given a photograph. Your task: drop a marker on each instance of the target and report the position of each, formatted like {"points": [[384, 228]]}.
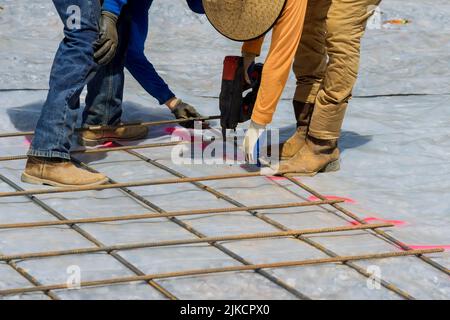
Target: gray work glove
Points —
{"points": [[185, 111], [106, 45]]}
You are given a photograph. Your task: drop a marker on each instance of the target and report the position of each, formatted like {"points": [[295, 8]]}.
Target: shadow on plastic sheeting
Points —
{"points": [[25, 118], [348, 140], [351, 140]]}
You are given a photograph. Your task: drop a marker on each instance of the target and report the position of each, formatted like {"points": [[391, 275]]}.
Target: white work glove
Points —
{"points": [[253, 141]]}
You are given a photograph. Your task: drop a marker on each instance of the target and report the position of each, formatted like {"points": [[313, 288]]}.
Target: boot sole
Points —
{"points": [[94, 143], [38, 181], [331, 167]]}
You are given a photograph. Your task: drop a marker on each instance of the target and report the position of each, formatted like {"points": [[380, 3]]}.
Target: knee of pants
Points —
{"points": [[342, 69]]}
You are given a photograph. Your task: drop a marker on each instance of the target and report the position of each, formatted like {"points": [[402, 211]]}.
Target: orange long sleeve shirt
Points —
{"points": [[286, 36]]}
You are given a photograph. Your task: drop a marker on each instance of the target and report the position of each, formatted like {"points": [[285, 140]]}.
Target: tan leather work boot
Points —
{"points": [[316, 156], [292, 145], [92, 138], [303, 112], [59, 173]]}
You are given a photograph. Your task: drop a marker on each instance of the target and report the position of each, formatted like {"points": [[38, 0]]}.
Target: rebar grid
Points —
{"points": [[31, 279], [147, 204], [383, 235], [391, 287], [202, 238], [272, 222], [87, 236], [361, 221]]}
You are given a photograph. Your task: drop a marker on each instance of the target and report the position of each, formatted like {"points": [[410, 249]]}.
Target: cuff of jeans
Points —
{"points": [[48, 154]]}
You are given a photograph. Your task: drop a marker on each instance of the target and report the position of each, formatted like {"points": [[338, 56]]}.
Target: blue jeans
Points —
{"points": [[72, 69], [105, 90]]}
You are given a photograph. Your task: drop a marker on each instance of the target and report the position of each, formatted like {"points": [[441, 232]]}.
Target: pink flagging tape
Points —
{"points": [[397, 223], [185, 135], [170, 130], [182, 133], [109, 144], [28, 140], [347, 200]]}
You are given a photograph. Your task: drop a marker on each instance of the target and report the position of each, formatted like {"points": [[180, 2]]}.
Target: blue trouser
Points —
{"points": [[72, 68], [105, 92]]}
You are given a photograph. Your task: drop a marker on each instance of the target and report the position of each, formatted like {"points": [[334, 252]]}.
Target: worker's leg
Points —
{"points": [[48, 161], [311, 58], [285, 39], [105, 96], [346, 23], [72, 66], [105, 91], [309, 67]]}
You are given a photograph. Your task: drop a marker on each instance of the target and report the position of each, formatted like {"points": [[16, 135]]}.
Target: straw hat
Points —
{"points": [[243, 20]]}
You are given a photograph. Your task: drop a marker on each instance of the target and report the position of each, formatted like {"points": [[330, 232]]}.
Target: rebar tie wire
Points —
{"points": [[198, 272]]}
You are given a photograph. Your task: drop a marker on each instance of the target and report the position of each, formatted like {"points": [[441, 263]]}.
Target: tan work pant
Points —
{"points": [[327, 60]]}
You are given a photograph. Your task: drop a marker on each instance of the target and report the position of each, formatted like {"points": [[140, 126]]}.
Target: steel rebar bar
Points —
{"points": [[272, 222], [167, 243], [104, 150], [164, 215], [126, 185], [97, 128]]}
